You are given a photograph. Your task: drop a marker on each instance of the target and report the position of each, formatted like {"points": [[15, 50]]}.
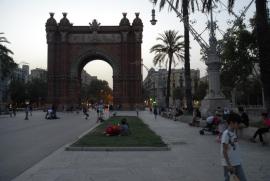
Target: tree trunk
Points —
{"points": [[169, 82], [187, 61], [263, 35]]}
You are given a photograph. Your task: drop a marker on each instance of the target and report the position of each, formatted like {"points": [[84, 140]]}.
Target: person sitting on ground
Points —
{"points": [[264, 129], [196, 117], [112, 130], [244, 116], [49, 114], [178, 112], [124, 128]]}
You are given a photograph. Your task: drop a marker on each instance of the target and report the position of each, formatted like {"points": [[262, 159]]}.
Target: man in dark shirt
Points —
{"points": [[244, 116]]}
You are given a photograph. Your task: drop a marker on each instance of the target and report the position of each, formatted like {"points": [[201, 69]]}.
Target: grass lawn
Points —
{"points": [[141, 135]]}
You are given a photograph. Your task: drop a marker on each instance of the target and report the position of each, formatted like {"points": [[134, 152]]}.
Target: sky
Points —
{"points": [[23, 22]]}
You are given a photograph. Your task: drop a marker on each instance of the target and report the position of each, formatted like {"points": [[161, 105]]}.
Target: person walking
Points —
{"points": [[155, 111], [230, 154], [100, 110], [14, 110], [10, 110], [137, 110], [85, 112], [30, 110], [26, 112]]}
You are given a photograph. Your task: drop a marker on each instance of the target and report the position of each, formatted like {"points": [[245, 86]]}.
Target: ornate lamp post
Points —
{"points": [[214, 99], [153, 20]]}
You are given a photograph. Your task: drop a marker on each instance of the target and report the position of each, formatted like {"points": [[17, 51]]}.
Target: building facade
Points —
{"points": [[38, 73], [21, 74], [86, 78], [155, 84]]}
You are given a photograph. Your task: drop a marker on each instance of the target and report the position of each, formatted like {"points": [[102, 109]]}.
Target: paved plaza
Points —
{"points": [[26, 142], [192, 158]]}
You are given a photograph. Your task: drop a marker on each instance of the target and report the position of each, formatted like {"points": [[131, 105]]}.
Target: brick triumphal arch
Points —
{"points": [[70, 48]]}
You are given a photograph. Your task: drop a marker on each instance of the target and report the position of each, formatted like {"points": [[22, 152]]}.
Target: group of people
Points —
{"points": [[218, 123], [100, 110], [175, 112], [230, 147], [231, 121]]}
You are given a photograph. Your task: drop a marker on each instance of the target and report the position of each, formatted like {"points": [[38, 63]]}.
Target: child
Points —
{"points": [[230, 155]]}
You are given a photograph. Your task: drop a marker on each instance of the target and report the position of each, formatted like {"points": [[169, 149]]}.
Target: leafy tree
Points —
{"points": [[37, 90], [96, 91], [7, 65], [238, 56], [200, 91], [17, 92], [263, 41], [170, 49], [186, 4], [249, 92]]}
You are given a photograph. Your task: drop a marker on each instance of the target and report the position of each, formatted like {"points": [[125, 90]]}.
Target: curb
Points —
{"points": [[117, 148], [68, 145]]}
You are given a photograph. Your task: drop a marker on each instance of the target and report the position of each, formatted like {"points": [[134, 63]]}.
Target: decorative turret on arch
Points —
{"points": [[70, 48]]}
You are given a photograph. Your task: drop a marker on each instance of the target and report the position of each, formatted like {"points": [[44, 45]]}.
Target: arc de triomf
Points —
{"points": [[70, 48]]}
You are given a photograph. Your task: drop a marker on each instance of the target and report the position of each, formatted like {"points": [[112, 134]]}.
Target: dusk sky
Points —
{"points": [[23, 22]]}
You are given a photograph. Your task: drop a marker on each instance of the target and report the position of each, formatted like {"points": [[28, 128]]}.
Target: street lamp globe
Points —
{"points": [[153, 20]]}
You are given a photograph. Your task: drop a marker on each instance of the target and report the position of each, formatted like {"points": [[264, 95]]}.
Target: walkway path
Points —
{"points": [[26, 142], [192, 158]]}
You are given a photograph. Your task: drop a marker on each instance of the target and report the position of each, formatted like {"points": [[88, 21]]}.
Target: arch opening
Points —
{"points": [[96, 82]]}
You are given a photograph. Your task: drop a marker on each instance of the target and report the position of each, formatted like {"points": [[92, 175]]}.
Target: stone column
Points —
{"points": [[214, 99]]}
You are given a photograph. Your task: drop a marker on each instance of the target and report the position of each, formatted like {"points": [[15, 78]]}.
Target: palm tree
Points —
{"points": [[7, 64], [185, 9], [6, 61], [170, 49], [263, 41]]}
